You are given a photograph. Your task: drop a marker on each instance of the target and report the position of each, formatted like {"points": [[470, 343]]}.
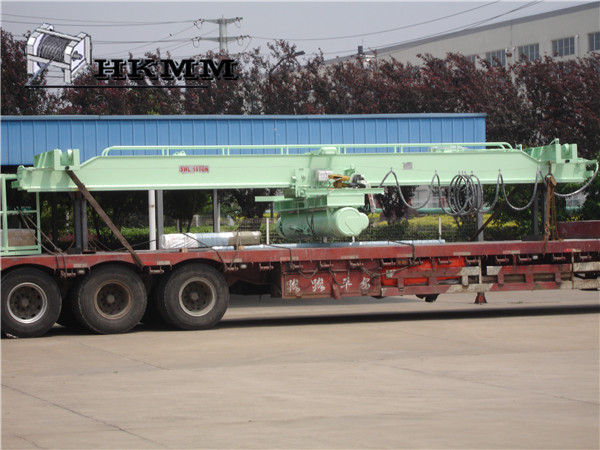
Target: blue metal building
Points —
{"points": [[24, 136]]}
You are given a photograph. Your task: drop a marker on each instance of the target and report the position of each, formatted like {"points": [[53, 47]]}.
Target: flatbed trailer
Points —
{"points": [[323, 189], [109, 291]]}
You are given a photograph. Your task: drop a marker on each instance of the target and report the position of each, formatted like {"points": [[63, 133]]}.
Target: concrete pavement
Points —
{"points": [[519, 372]]}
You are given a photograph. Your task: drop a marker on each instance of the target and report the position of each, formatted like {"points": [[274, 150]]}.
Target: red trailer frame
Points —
{"points": [[311, 271]]}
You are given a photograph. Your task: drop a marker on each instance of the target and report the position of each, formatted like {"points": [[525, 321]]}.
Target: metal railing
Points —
{"points": [[28, 226], [274, 149]]}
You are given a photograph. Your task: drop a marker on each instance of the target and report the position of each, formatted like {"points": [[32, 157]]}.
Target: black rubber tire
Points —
{"points": [[67, 317], [110, 300], [429, 298], [193, 297], [31, 302], [152, 315]]}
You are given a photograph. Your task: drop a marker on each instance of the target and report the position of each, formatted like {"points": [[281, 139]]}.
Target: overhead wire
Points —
{"points": [[381, 31], [468, 27], [323, 38], [178, 43], [90, 23], [441, 33]]}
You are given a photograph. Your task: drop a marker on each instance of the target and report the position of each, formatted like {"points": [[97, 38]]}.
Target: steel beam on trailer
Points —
{"points": [[413, 164]]}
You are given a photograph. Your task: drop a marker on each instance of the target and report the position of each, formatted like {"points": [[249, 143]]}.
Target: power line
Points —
{"points": [[442, 33], [177, 42], [381, 31], [90, 23], [466, 27], [223, 39]]}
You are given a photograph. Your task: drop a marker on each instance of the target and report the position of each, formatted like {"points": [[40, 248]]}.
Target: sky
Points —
{"points": [[336, 28]]}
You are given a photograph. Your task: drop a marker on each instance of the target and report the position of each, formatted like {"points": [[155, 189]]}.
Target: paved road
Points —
{"points": [[519, 372]]}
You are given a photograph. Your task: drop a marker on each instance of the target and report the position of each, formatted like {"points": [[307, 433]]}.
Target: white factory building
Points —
{"points": [[565, 33]]}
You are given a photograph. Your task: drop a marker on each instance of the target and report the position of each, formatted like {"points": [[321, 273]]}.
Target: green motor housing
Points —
{"points": [[342, 223]]}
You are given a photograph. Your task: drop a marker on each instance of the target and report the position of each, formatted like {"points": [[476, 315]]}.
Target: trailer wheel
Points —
{"points": [[429, 298], [152, 316], [193, 297], [31, 302], [111, 299]]}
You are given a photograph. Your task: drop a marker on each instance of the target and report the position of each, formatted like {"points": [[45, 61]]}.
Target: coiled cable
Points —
{"points": [[464, 195]]}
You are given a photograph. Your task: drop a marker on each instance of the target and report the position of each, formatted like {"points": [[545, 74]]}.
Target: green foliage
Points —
{"points": [[393, 208], [182, 205], [15, 97], [528, 102]]}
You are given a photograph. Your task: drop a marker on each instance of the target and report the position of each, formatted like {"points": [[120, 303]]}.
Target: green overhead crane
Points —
{"points": [[323, 185]]}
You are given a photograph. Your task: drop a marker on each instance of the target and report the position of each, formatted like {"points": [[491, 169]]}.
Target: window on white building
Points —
{"points": [[563, 47], [472, 58], [531, 51], [497, 58], [594, 40]]}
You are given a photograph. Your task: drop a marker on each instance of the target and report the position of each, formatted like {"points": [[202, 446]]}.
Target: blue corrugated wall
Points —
{"points": [[24, 136]]}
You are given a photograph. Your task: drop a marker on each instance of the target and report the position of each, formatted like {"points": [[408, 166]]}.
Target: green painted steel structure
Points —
{"points": [[28, 215], [313, 204], [172, 169]]}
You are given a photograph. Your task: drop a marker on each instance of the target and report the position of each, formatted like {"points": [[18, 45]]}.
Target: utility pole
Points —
{"points": [[222, 39]]}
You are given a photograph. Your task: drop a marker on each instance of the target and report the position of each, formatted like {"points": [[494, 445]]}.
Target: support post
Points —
{"points": [[54, 213], [160, 217], [267, 220], [84, 225], [77, 220], [152, 218], [550, 207], [216, 212], [536, 215], [83, 190], [545, 212], [80, 228], [494, 215], [480, 299], [480, 226]]}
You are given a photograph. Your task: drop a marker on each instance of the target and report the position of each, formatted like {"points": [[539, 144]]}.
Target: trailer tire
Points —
{"points": [[31, 302], [193, 297], [152, 316], [67, 318], [110, 300], [429, 298]]}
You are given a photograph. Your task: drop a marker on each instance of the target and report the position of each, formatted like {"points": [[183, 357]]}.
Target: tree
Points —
{"points": [[392, 206], [16, 98], [183, 205], [564, 100], [528, 102], [131, 97]]}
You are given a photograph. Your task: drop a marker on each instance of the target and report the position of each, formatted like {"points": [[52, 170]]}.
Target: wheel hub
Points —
{"points": [[197, 297], [113, 300], [27, 303]]}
